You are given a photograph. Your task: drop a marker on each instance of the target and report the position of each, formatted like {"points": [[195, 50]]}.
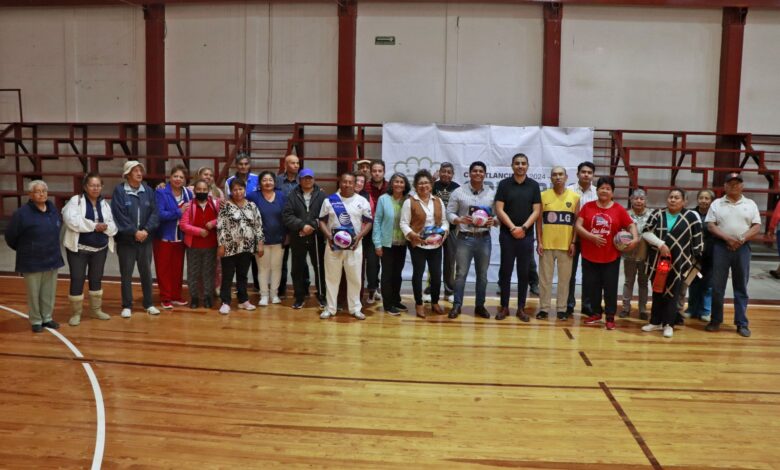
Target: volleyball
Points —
{"points": [[342, 239], [479, 217], [622, 239]]}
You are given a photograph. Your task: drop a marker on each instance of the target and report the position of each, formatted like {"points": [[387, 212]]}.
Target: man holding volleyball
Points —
{"points": [[471, 208], [345, 218]]}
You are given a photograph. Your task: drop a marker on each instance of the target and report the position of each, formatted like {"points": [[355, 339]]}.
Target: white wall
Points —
{"points": [[253, 62], [452, 63], [640, 68], [760, 90], [74, 64]]}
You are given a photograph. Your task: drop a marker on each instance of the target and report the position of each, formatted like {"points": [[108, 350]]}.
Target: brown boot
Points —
{"points": [[76, 307], [420, 309], [96, 305], [522, 315], [437, 310], [503, 312]]}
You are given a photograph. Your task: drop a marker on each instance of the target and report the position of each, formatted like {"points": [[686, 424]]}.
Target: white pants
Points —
{"points": [[270, 268], [352, 263]]}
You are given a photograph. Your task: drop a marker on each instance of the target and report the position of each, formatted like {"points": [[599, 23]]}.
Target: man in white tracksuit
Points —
{"points": [[352, 212]]}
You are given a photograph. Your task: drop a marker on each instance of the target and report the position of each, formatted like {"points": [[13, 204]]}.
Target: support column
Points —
{"points": [[346, 81], [728, 89], [154, 20], [551, 71]]}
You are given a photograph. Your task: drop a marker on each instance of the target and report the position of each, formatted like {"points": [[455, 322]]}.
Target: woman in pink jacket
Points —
{"points": [[199, 224]]}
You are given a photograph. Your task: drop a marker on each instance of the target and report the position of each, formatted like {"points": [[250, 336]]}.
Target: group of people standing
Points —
{"points": [[368, 225]]}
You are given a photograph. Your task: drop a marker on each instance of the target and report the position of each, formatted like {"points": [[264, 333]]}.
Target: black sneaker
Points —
{"points": [[542, 315], [535, 290], [194, 303], [624, 314], [37, 328], [298, 305], [481, 311], [712, 327], [743, 331], [401, 307], [569, 311], [52, 324], [562, 316], [207, 302]]}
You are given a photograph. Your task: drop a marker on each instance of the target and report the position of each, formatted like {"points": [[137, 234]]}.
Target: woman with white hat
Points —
{"points": [[135, 213]]}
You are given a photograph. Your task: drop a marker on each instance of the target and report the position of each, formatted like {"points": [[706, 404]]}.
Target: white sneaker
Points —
{"points": [[126, 313], [705, 318], [326, 314], [427, 298], [359, 315], [152, 310], [668, 331], [224, 309], [371, 298], [686, 315], [651, 327], [276, 300], [263, 301], [246, 306], [377, 296], [451, 298]]}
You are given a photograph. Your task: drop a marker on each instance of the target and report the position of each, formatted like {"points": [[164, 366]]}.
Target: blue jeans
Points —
{"points": [[738, 262], [518, 253], [478, 249], [700, 296]]}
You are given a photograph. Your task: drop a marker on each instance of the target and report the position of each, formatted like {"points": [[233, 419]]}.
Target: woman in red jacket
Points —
{"points": [[199, 224]]}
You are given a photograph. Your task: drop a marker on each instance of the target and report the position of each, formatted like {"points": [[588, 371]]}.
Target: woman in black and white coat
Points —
{"points": [[676, 232]]}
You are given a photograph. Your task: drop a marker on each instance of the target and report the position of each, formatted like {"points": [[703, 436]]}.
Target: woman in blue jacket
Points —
{"points": [[135, 214], [34, 233], [390, 242], [168, 243]]}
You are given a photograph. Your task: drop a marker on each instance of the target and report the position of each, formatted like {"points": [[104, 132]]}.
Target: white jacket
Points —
{"points": [[76, 222]]}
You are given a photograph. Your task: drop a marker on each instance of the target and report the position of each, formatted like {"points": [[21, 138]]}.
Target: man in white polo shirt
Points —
{"points": [[732, 221]]}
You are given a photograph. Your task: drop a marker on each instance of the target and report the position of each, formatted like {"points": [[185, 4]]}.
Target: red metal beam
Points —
{"points": [[346, 80], [652, 3], [728, 88], [551, 63], [154, 20]]}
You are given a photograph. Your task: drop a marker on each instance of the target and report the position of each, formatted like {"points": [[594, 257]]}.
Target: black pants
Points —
{"points": [[130, 255], [514, 252], [664, 310], [393, 260], [372, 263], [238, 264], [598, 278], [82, 262], [421, 256], [201, 268], [300, 270]]}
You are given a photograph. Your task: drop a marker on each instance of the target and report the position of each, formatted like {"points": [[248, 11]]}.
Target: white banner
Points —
{"points": [[407, 148]]}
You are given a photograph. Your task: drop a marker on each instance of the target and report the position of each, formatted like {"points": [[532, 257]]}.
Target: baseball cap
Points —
{"points": [[306, 172], [734, 176]]}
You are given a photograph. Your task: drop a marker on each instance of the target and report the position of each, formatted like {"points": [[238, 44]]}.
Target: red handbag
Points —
{"points": [[662, 268]]}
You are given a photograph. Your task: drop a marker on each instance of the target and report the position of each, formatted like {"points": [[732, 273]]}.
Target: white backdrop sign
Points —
{"points": [[407, 148]]}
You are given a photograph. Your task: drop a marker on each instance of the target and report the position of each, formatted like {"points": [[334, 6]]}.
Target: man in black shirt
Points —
{"points": [[442, 188], [518, 205]]}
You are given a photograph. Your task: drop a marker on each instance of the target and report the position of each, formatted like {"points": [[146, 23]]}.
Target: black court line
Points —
{"points": [[585, 359], [568, 333], [634, 431]]}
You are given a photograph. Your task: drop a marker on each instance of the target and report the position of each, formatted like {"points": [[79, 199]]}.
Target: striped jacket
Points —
{"points": [[684, 240]]}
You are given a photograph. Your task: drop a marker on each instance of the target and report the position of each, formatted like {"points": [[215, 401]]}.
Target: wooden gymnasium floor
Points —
{"points": [[281, 388]]}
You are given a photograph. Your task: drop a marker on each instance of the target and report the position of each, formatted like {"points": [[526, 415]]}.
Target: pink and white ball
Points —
{"points": [[342, 239], [479, 217], [434, 240], [622, 239]]}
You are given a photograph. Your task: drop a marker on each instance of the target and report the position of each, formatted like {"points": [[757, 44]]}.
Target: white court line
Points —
{"points": [[100, 438]]}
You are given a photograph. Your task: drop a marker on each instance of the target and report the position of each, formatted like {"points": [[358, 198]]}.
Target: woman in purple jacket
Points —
{"points": [[169, 240]]}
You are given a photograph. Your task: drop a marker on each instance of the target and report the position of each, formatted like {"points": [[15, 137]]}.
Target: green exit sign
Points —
{"points": [[384, 41]]}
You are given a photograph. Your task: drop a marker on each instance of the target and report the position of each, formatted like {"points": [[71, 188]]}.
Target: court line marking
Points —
{"points": [[585, 359], [100, 438], [630, 425]]}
